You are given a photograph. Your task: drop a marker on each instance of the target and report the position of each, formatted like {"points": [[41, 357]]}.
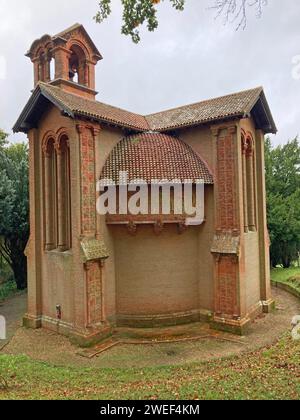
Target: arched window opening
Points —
{"points": [[78, 66], [50, 186], [64, 194], [249, 184], [245, 188], [52, 69], [57, 194]]}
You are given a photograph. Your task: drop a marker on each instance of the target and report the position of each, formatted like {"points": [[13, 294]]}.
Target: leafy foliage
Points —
{"points": [[7, 289], [14, 207], [138, 12], [283, 191]]}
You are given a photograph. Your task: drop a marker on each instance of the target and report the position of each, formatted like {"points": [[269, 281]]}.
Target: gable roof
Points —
{"points": [[155, 156], [77, 106], [64, 34], [239, 105]]}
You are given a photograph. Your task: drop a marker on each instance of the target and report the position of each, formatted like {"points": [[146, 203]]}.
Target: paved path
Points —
{"points": [[49, 347], [13, 310]]}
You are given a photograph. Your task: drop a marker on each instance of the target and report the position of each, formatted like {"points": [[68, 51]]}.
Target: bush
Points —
{"points": [[7, 289]]}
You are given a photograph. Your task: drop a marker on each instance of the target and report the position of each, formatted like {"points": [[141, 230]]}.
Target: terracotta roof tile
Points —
{"points": [[78, 105], [233, 105], [238, 105], [153, 156]]}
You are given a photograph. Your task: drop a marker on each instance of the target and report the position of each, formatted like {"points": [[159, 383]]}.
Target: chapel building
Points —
{"points": [[89, 273]]}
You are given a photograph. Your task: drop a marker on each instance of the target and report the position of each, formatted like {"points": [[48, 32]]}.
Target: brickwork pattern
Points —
{"points": [[226, 203], [226, 288], [94, 293], [88, 181]]}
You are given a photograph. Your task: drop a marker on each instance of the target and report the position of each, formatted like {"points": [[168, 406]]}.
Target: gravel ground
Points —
{"points": [[49, 347]]}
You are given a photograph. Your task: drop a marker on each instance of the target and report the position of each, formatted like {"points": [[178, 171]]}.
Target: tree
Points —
{"points": [[138, 12], [236, 10], [14, 207], [283, 197]]}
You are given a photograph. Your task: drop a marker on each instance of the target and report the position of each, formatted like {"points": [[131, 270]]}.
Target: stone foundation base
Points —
{"points": [[91, 336], [234, 327], [156, 321], [32, 322], [82, 338], [241, 327], [269, 306]]}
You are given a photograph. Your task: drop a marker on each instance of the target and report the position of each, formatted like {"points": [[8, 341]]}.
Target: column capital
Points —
{"points": [[80, 128], [46, 152], [96, 131], [215, 131], [232, 129], [58, 148], [159, 228], [132, 229]]}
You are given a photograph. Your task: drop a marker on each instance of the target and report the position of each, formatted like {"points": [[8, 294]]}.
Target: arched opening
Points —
{"points": [[251, 184], [249, 193], [64, 194], [57, 193], [78, 70], [245, 195], [50, 195], [52, 68]]}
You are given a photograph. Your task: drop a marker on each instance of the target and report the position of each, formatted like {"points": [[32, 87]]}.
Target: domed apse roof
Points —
{"points": [[154, 156]]}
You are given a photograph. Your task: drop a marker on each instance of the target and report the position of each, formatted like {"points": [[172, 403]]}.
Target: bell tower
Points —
{"points": [[66, 60]]}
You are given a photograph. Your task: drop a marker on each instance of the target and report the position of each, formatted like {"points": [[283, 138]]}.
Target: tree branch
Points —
{"points": [[5, 255], [236, 10]]}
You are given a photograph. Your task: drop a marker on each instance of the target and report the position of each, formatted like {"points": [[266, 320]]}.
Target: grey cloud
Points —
{"points": [[189, 58]]}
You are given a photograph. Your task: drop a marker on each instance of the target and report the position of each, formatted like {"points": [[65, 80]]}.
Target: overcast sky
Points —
{"points": [[191, 57]]}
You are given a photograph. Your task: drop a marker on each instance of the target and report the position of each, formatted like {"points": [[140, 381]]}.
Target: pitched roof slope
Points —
{"points": [[214, 109], [239, 105], [75, 105], [153, 156], [94, 109]]}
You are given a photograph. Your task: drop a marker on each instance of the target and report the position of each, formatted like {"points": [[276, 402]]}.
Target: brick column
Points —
{"points": [[93, 268], [95, 306], [61, 56], [47, 68], [36, 71], [87, 136], [229, 288]]}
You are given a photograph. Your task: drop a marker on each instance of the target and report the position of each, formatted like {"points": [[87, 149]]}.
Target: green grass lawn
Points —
{"points": [[289, 276], [272, 373]]}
